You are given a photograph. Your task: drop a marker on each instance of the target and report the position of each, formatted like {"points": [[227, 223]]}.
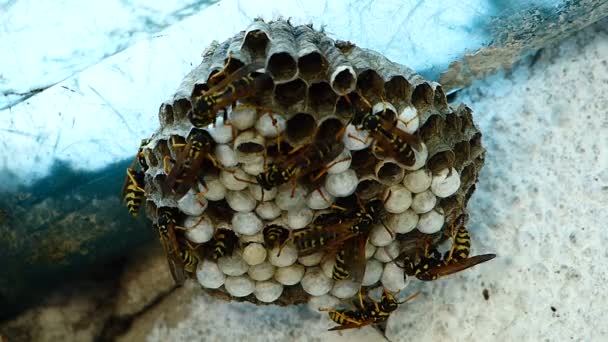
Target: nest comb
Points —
{"points": [[311, 77]]}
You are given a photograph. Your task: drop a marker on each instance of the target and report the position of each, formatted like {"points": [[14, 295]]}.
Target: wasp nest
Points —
{"points": [[291, 96]]}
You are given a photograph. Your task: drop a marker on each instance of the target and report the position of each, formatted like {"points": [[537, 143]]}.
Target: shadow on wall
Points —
{"points": [[63, 226]]}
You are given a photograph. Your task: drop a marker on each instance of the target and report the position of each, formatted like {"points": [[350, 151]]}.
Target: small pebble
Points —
{"points": [[254, 254], [289, 275], [288, 256], [342, 184], [240, 201], [373, 272], [431, 222], [209, 275], [246, 223], [444, 185], [268, 291], [393, 278], [232, 265], [344, 289], [261, 272], [423, 202], [316, 283], [239, 286]]}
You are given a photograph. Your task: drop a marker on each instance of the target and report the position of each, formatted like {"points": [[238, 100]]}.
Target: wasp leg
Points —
{"points": [[133, 181], [166, 161]]}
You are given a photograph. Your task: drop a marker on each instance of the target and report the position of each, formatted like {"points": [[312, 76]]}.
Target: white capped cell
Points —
{"points": [[261, 272], [225, 155], [380, 236], [418, 181], [268, 210], [239, 286], [373, 272], [240, 201], [408, 120], [268, 291], [327, 265], [249, 147], [393, 277], [243, 117], [344, 289], [423, 202], [254, 167], [213, 189], [286, 201], [311, 259], [397, 199], [325, 301], [256, 192], [199, 228], [341, 163], [254, 254], [421, 157], [342, 184], [445, 184], [315, 282], [209, 274], [270, 125], [246, 223], [404, 222], [299, 218], [289, 275], [355, 139], [235, 179], [288, 255], [232, 265], [431, 222], [221, 133], [319, 199], [191, 204], [370, 249], [258, 238], [387, 253]]}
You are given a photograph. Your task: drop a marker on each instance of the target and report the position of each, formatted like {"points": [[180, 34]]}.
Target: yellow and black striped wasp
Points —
{"points": [[187, 167], [344, 233], [242, 83], [224, 242], [133, 192], [275, 236], [367, 311], [390, 140], [431, 265], [166, 225]]}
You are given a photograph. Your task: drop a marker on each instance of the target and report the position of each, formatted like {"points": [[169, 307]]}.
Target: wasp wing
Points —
{"points": [[462, 265]]}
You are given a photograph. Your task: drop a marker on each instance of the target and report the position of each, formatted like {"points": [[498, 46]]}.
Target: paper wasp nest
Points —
{"points": [[311, 77]]}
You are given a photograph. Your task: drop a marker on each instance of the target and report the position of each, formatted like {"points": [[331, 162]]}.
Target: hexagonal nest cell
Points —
{"points": [[275, 144]]}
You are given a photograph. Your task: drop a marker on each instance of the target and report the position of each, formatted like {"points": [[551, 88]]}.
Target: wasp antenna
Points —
{"points": [[412, 296]]}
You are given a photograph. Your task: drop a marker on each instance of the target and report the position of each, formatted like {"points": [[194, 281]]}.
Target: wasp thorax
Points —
{"points": [[289, 166]]}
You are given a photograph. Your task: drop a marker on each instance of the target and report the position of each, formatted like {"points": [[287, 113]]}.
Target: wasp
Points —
{"points": [[186, 168], [367, 311], [166, 225], [275, 235], [224, 242], [242, 83], [133, 192], [345, 233], [189, 257], [389, 139], [301, 162], [432, 265]]}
